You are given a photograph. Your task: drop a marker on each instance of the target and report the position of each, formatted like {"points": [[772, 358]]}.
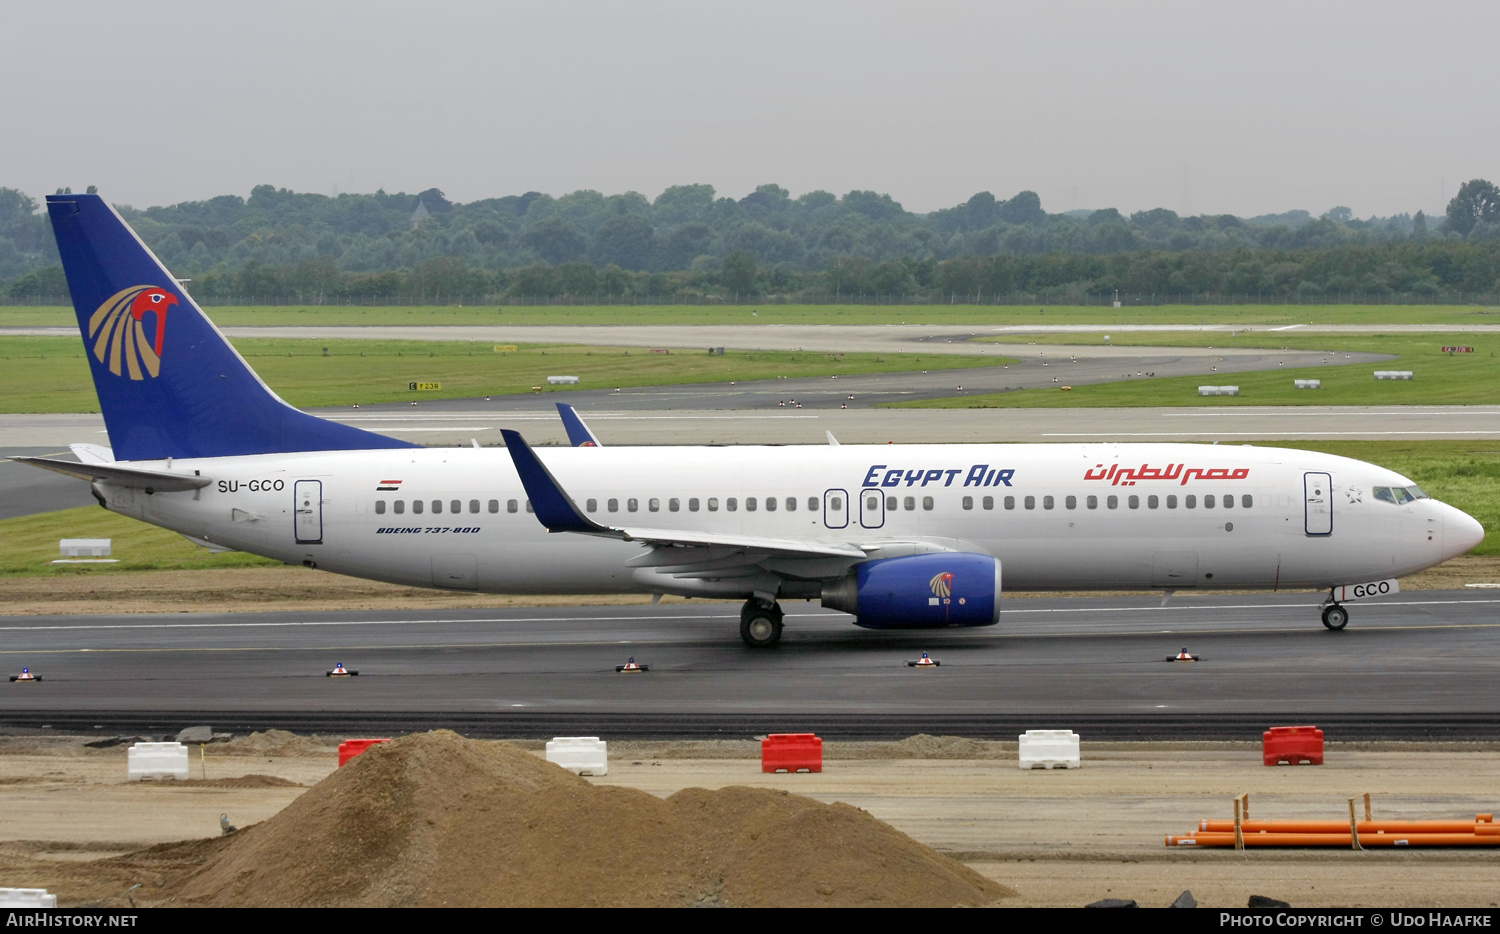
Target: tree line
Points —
{"points": [[689, 244]]}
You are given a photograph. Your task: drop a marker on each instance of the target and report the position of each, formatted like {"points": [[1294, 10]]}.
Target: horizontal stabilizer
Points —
{"points": [[152, 481]]}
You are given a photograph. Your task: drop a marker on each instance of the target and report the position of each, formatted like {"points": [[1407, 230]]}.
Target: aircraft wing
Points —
{"points": [[579, 434], [152, 481], [556, 510]]}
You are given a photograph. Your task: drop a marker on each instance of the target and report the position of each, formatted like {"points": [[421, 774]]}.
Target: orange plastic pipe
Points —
{"points": [[1337, 826], [1337, 839]]}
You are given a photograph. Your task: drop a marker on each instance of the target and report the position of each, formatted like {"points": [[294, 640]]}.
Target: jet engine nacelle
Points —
{"points": [[920, 592]]}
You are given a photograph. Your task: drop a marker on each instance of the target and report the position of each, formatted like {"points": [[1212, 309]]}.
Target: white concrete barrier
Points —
{"points": [[157, 760], [1050, 749], [562, 380], [1218, 390], [582, 755], [1393, 374], [1308, 383], [27, 898], [85, 547]]}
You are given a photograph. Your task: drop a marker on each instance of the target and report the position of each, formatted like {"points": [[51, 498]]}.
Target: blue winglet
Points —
{"points": [[553, 507], [169, 384], [578, 433]]}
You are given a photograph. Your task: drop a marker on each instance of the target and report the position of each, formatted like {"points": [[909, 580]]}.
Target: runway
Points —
{"points": [[1420, 665]]}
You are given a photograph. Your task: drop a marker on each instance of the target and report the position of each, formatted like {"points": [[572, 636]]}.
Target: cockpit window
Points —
{"points": [[1402, 497], [1417, 493], [1384, 494]]}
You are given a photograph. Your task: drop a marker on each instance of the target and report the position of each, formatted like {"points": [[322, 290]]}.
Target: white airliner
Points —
{"points": [[911, 536]]}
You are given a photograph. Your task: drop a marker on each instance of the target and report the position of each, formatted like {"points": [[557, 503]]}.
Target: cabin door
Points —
{"points": [[1318, 492], [309, 512], [871, 508]]}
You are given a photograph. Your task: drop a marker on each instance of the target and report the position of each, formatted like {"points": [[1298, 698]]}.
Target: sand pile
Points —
{"points": [[272, 743], [435, 819]]}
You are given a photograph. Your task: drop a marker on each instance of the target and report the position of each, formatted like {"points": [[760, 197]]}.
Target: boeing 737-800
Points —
{"points": [[906, 536]]}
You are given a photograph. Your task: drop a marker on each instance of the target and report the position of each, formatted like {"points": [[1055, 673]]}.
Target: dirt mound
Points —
{"points": [[243, 781], [435, 819], [277, 743]]}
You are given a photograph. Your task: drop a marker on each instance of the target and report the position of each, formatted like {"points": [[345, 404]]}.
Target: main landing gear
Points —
{"points": [[1335, 617], [760, 624]]}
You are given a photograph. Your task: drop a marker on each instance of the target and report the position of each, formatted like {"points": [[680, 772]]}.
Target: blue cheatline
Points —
{"points": [[169, 384]]}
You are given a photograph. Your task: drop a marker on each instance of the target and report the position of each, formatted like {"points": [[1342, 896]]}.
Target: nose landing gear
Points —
{"points": [[760, 624], [1335, 617]]}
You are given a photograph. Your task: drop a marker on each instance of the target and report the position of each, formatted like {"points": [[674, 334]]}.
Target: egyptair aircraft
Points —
{"points": [[908, 536]]}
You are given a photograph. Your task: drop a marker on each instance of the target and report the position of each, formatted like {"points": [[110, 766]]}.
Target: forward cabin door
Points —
{"points": [[309, 512], [872, 508], [1318, 492]]}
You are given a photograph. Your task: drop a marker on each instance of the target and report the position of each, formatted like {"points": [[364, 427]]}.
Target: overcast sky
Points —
{"points": [[1244, 108]]}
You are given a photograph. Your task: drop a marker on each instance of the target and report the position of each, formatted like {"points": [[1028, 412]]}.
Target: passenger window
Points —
{"points": [[1172, 502], [791, 504], [416, 506], [591, 505], [770, 504], [1113, 502], [400, 506], [1046, 502], [632, 504], [456, 506], [731, 504], [437, 507], [692, 504], [494, 505], [1092, 502], [1208, 501], [988, 502], [380, 507], [1030, 502], [911, 503], [674, 504], [1134, 502], [1383, 493], [713, 504], [749, 504], [513, 506], [528, 507], [968, 503], [1152, 501], [1010, 502], [812, 504], [473, 505], [1071, 502], [613, 505], [1190, 501], [927, 503], [1247, 501], [890, 502], [1228, 500], [837, 503], [653, 505]]}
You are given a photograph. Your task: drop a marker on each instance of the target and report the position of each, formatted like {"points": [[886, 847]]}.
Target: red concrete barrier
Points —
{"points": [[793, 752], [1293, 745], [350, 748]]}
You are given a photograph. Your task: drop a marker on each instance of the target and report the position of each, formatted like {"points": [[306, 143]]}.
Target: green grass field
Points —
{"points": [[1463, 473], [976, 315], [50, 374], [1439, 379]]}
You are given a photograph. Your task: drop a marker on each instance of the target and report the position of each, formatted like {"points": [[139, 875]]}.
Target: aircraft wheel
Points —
{"points": [[1335, 617], [760, 626]]}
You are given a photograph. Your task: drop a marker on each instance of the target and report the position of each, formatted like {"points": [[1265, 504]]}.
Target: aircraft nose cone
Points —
{"points": [[1461, 532]]}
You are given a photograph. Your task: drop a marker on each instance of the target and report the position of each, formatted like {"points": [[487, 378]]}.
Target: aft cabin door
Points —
{"points": [[309, 521], [1318, 492]]}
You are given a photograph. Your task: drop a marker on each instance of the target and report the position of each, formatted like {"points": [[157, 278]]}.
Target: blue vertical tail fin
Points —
{"points": [[169, 383]]}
